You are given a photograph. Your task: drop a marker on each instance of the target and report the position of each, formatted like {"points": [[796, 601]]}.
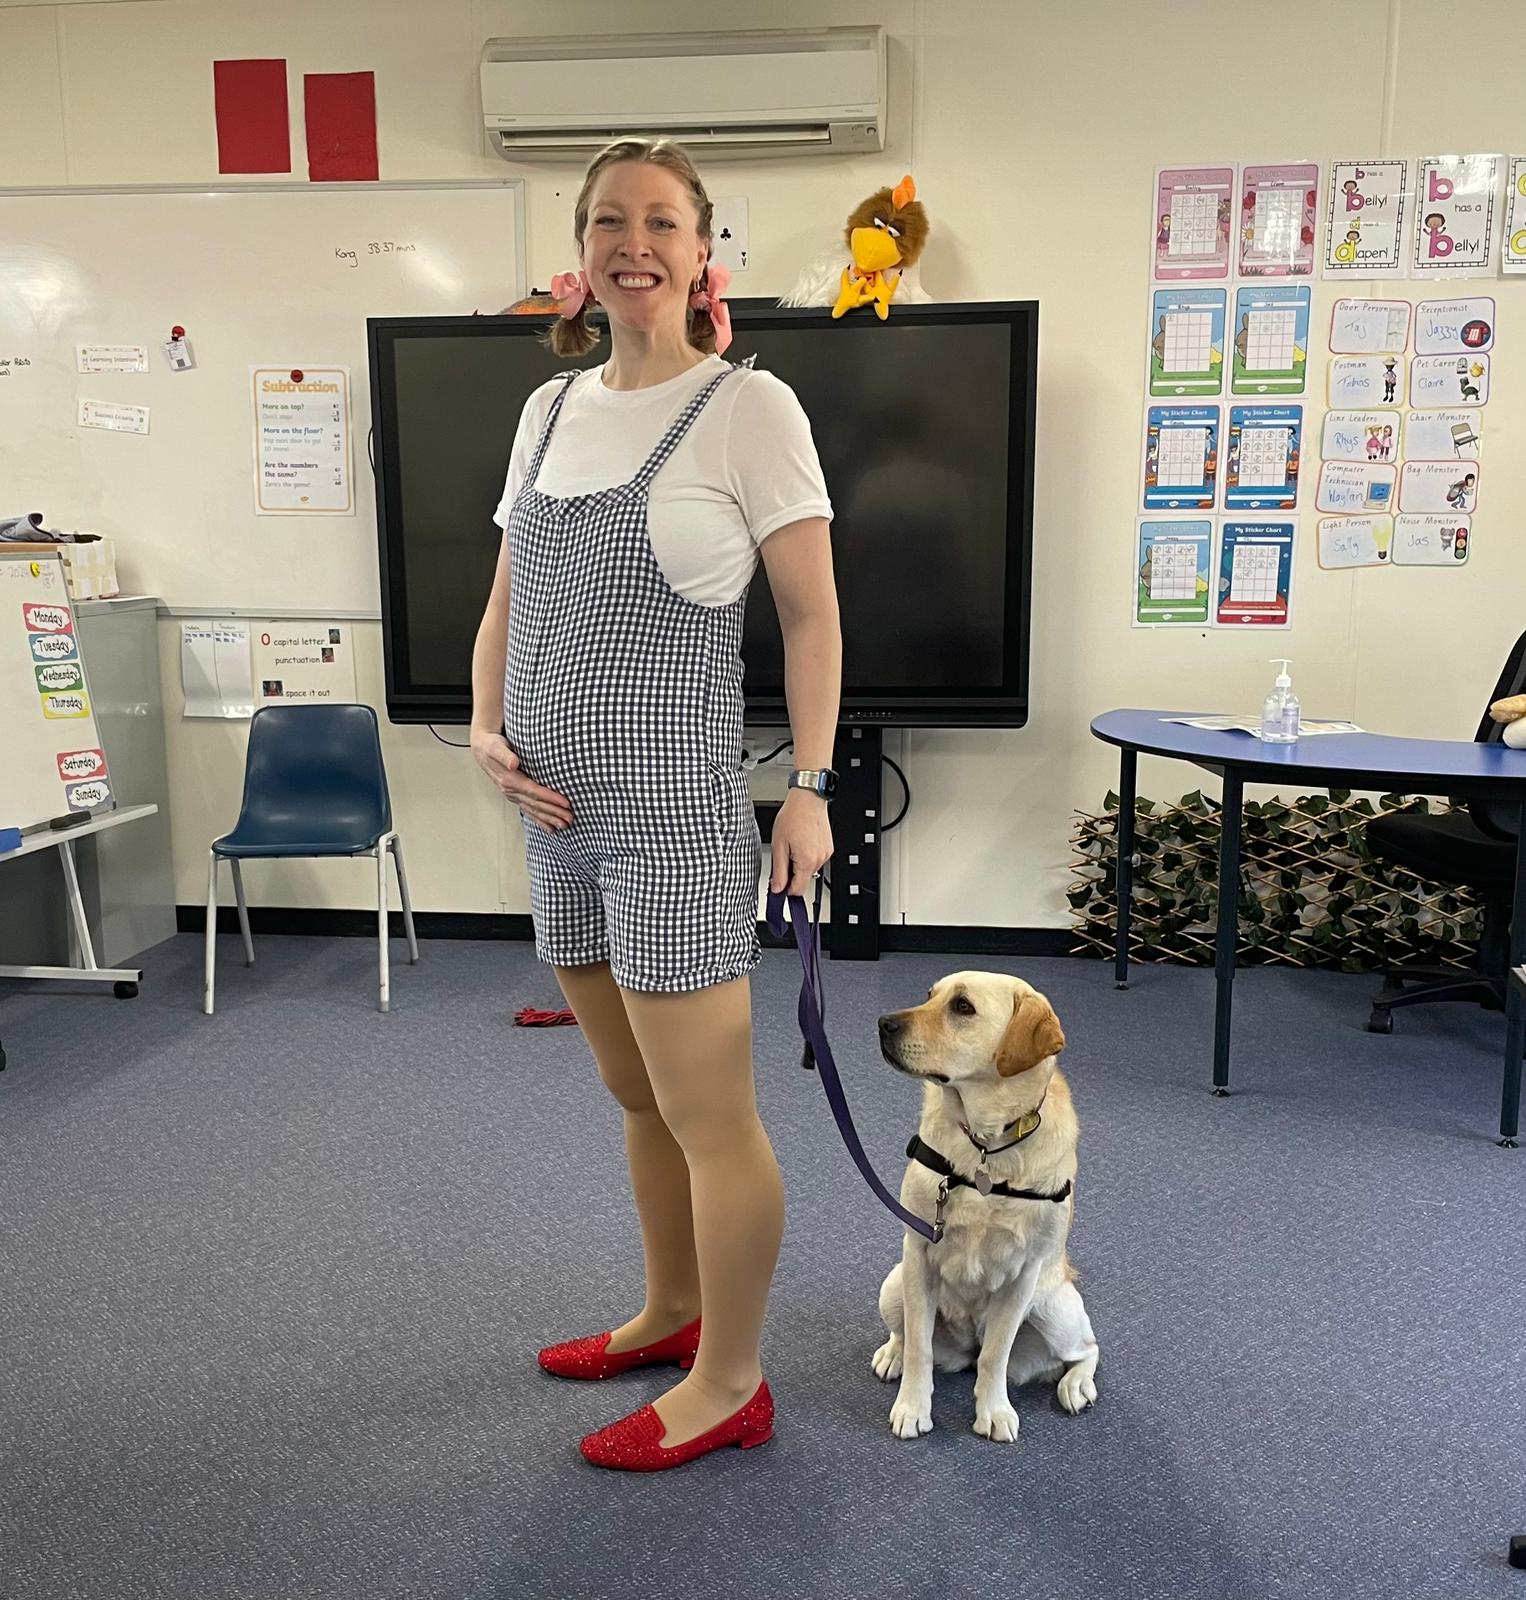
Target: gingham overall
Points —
{"points": [[627, 698]]}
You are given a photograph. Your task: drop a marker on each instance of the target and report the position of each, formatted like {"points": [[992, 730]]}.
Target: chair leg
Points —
{"points": [[243, 912], [1475, 988], [209, 962], [402, 892], [381, 927]]}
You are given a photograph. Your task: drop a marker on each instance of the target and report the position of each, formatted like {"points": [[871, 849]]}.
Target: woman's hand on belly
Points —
{"points": [[491, 752]]}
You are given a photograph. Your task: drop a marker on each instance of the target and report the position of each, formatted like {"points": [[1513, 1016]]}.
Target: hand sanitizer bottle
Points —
{"points": [[1280, 711]]}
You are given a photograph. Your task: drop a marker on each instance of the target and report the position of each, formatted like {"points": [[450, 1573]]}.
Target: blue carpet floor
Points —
{"points": [[273, 1282]]}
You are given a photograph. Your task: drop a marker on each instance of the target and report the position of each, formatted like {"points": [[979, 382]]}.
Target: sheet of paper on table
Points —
{"points": [[1252, 725]]}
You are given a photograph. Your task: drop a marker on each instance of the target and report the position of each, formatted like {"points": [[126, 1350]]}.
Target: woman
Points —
{"points": [[639, 494]]}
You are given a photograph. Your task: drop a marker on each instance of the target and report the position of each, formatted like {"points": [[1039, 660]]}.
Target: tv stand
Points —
{"points": [[854, 870]]}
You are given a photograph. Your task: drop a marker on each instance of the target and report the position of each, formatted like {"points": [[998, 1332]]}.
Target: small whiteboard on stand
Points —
{"points": [[54, 767]]}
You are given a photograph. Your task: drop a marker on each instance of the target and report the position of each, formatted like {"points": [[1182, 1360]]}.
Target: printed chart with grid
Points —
{"points": [[1183, 453], [1189, 342], [1270, 337], [1276, 223], [1253, 577], [1194, 224], [1173, 570], [1264, 456]]}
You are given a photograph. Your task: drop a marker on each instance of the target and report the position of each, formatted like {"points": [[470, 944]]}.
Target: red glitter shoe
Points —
{"points": [[589, 1358], [634, 1444]]}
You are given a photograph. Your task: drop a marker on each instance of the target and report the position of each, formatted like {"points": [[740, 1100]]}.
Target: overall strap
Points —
{"points": [[566, 379], [681, 425]]}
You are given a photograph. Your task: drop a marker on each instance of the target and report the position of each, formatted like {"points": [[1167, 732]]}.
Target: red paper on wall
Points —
{"points": [[341, 126], [253, 128]]}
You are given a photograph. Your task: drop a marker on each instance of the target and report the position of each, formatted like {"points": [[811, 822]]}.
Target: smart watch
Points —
{"points": [[819, 780]]}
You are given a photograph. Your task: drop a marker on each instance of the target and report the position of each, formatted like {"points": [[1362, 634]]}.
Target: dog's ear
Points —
{"points": [[1033, 1035]]}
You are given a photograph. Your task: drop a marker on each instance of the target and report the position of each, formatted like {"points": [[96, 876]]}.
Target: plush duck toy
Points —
{"points": [[884, 236], [1512, 712]]}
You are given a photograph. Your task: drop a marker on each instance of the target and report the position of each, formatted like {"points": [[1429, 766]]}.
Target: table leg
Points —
{"points": [[1124, 875], [1515, 1004], [77, 907], [1228, 928]]}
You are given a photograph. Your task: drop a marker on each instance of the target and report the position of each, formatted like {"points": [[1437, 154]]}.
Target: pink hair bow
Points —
{"points": [[569, 290], [709, 299]]}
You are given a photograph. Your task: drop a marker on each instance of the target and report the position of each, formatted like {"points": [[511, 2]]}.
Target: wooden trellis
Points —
{"points": [[1311, 893]]}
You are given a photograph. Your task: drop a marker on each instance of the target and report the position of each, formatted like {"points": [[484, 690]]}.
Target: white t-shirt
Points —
{"points": [[746, 468]]}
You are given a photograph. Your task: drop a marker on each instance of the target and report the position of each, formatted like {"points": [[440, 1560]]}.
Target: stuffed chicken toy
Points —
{"points": [[1512, 712], [884, 239]]}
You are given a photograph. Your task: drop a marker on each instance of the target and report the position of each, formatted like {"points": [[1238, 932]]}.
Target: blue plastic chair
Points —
{"points": [[314, 785]]}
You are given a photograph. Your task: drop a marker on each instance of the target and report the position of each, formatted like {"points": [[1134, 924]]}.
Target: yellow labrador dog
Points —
{"points": [[999, 1128]]}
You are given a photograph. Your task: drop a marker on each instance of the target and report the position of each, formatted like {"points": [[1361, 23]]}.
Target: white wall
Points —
{"points": [[1021, 122]]}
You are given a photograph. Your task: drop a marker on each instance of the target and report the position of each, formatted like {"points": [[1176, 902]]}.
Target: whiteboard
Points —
{"points": [[54, 765], [281, 275]]}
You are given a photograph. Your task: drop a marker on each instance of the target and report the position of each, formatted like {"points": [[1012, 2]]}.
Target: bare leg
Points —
{"points": [[698, 1051], [659, 1173]]}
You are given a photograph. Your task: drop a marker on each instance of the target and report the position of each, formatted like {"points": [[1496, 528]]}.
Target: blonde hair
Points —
{"points": [[572, 337]]}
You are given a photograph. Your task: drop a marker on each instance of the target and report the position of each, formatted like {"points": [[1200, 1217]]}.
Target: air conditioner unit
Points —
{"points": [[780, 92]]}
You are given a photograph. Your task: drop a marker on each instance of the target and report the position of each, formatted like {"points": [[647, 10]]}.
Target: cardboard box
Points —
{"points": [[90, 565]]}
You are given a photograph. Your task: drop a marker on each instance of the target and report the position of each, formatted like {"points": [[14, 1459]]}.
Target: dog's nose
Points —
{"points": [[890, 1027]]}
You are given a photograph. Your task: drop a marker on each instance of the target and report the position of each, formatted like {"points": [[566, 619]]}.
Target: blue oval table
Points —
{"points": [[1460, 769]]}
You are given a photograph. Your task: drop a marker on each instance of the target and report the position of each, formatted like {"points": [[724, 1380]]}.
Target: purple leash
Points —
{"points": [[818, 1052]]}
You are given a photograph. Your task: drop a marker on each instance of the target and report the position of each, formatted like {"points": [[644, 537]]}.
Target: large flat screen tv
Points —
{"points": [[925, 427]]}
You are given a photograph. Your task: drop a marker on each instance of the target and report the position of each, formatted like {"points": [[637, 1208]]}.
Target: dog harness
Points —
{"points": [[924, 1153]]}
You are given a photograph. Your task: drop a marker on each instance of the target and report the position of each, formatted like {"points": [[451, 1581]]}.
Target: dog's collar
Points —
{"points": [[920, 1151], [1027, 1124]]}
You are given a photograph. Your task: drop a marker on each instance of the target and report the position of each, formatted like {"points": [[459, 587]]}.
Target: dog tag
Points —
{"points": [[983, 1181]]}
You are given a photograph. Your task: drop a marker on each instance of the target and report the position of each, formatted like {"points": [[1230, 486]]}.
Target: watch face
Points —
{"points": [[823, 782]]}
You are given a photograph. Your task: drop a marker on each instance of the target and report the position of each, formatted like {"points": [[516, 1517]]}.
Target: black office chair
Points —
{"points": [[1473, 849]]}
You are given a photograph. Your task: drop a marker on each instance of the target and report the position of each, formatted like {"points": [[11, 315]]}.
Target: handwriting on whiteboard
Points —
{"points": [[371, 248]]}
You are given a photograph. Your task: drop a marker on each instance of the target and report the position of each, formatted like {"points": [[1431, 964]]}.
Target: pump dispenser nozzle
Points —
{"points": [[1280, 712]]}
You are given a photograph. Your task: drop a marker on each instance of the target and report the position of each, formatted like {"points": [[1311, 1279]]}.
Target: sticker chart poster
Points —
{"points": [[1261, 458], [1173, 573], [1454, 327], [1431, 541], [1181, 458], [1354, 541], [1456, 214], [1187, 343], [1515, 218], [1364, 219], [1255, 574], [1369, 327], [1362, 436], [1271, 340], [1193, 207], [1277, 210]]}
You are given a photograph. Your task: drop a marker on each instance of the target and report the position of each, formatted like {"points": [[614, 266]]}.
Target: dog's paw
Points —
{"points": [[1078, 1388], [996, 1422], [908, 1418], [887, 1360]]}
